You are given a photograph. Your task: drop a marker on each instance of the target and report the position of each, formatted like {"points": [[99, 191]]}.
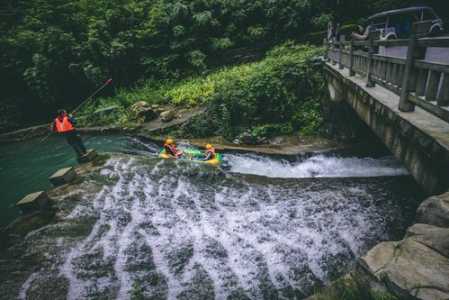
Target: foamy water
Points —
{"points": [[315, 166], [176, 230]]}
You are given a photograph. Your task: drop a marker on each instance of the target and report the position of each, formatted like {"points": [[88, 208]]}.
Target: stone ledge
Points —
{"points": [[63, 176], [88, 157], [35, 201]]}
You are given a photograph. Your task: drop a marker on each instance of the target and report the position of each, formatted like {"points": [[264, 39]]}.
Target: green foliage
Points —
{"points": [[270, 130], [53, 53], [352, 288], [281, 94]]}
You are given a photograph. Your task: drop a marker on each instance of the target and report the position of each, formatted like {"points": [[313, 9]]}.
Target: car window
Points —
{"points": [[428, 15], [378, 23]]}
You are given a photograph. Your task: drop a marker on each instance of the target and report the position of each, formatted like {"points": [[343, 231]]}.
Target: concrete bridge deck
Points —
{"points": [[419, 139]]}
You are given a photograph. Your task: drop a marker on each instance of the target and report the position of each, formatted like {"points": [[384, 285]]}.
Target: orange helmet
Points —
{"points": [[209, 146], [169, 141]]}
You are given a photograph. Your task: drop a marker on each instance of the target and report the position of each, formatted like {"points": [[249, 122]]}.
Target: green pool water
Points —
{"points": [[26, 166]]}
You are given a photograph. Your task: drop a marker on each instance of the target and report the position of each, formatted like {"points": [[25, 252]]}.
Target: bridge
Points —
{"points": [[400, 89]]}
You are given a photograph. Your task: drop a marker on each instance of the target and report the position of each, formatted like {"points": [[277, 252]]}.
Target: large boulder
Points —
{"points": [[157, 108], [139, 105], [434, 211], [411, 268], [168, 115], [436, 238], [143, 110]]}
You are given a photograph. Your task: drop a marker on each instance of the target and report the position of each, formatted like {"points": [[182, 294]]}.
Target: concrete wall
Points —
{"points": [[424, 156]]}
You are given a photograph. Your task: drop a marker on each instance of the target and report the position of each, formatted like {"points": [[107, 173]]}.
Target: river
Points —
{"points": [[266, 228]]}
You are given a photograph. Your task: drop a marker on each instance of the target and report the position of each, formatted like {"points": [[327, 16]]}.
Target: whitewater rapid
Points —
{"points": [[179, 230], [316, 166]]}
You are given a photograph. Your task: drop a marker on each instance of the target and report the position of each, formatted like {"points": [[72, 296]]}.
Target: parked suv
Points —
{"points": [[399, 23]]}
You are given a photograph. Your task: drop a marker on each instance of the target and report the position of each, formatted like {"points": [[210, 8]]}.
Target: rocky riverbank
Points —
{"points": [[416, 267], [158, 121]]}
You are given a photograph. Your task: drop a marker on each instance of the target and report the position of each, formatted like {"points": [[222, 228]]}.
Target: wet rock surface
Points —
{"points": [[418, 265], [144, 111], [435, 211], [168, 115]]}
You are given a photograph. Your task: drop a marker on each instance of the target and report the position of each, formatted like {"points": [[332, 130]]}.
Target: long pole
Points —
{"points": [[82, 103], [92, 95]]}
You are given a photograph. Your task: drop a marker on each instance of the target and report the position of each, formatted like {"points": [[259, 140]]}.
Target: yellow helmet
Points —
{"points": [[208, 146], [169, 141]]}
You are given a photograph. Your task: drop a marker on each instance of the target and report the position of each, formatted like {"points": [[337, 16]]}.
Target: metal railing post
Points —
{"points": [[404, 104]]}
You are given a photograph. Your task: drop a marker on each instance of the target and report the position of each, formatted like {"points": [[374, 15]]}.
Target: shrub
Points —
{"points": [[278, 95]]}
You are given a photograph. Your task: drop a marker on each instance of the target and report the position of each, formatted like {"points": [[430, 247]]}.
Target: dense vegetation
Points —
{"points": [[54, 52], [279, 94]]}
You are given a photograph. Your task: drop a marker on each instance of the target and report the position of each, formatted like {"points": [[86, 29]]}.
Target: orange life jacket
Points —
{"points": [[63, 126]]}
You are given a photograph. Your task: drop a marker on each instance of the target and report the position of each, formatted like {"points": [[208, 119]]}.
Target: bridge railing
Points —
{"points": [[416, 80]]}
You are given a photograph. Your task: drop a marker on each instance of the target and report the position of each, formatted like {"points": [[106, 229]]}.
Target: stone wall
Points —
{"points": [[419, 149]]}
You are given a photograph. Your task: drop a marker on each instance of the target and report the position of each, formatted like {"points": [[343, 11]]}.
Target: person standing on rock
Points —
{"points": [[65, 126]]}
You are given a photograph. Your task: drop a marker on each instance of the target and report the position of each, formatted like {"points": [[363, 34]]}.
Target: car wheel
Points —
{"points": [[435, 32]]}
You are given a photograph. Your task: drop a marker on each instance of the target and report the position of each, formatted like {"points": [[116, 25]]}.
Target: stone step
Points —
{"points": [[35, 201], [63, 176], [89, 156]]}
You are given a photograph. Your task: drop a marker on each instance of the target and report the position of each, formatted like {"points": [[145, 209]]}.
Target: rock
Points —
{"points": [[143, 110], [63, 176], [277, 140], [34, 201], [410, 268], [147, 114], [436, 238], [157, 108], [89, 156], [139, 105], [249, 139], [434, 211], [168, 115], [378, 257]]}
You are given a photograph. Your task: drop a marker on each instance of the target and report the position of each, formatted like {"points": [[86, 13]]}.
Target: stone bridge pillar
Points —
{"points": [[336, 90]]}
